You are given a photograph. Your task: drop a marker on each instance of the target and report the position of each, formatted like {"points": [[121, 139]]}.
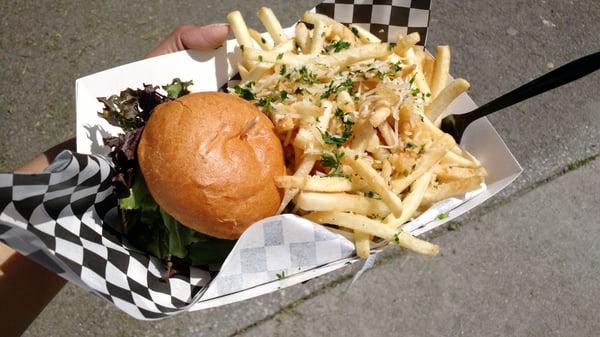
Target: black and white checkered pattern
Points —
{"points": [[383, 18], [275, 248], [68, 213]]}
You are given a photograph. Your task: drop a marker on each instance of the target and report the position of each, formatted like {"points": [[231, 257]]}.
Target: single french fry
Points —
{"points": [[307, 164], [441, 69], [448, 172], [364, 224], [363, 133], [387, 133], [451, 189], [362, 244], [318, 38], [375, 181], [269, 20], [337, 28], [260, 40], [452, 158], [339, 60], [431, 157], [381, 113], [243, 72], [436, 107], [302, 38], [345, 102], [418, 77], [343, 202], [404, 43], [386, 170], [427, 64], [327, 115], [359, 53], [315, 184], [240, 31], [364, 35], [413, 200], [313, 18], [259, 70]]}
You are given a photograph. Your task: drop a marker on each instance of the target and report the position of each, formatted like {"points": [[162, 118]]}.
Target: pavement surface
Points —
{"points": [[525, 263]]}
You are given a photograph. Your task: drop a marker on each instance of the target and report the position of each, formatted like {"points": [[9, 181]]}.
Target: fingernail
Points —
{"points": [[220, 24]]}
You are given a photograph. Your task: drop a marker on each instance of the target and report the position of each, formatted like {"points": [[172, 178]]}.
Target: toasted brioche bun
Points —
{"points": [[201, 168]]}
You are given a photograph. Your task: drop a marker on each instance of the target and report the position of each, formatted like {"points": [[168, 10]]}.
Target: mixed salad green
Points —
{"points": [[143, 222]]}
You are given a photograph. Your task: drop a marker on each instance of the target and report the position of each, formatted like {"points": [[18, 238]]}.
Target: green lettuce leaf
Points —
{"points": [[153, 230]]}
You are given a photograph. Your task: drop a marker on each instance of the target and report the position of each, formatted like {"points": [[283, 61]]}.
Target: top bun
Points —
{"points": [[209, 160]]}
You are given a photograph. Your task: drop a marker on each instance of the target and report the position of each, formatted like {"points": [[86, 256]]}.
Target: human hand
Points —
{"points": [[192, 37]]}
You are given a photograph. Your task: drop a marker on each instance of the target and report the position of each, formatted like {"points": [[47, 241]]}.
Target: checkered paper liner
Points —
{"points": [[65, 219]]}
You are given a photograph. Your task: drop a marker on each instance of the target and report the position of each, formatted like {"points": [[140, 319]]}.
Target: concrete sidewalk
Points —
{"points": [[547, 274], [528, 268]]}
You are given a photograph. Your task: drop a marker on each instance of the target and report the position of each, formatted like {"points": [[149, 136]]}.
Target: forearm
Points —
{"points": [[26, 287]]}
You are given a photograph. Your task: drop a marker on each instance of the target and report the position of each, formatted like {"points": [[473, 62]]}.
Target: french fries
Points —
{"points": [[345, 202], [360, 118], [366, 225]]}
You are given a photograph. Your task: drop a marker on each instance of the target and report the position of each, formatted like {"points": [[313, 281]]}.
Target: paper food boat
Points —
{"points": [[62, 219]]}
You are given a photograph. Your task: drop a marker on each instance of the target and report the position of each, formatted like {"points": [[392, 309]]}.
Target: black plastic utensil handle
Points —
{"points": [[562, 75]]}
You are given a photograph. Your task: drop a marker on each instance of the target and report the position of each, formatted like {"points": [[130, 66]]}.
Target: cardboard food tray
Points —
{"points": [[63, 218]]}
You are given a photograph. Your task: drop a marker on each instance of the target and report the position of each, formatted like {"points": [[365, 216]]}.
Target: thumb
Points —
{"points": [[205, 37], [192, 37]]}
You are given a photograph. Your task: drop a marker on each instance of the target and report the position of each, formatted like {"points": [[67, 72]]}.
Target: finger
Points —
{"points": [[192, 37]]}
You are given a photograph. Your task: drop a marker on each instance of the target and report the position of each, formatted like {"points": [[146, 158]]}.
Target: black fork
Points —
{"points": [[455, 125]]}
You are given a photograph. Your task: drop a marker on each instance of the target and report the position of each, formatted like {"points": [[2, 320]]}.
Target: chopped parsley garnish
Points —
{"points": [[410, 145], [328, 160], [283, 95], [260, 58], [334, 162], [373, 195], [412, 79], [442, 216], [397, 238], [265, 102], [415, 92], [332, 139], [280, 56], [354, 31], [405, 172], [338, 46], [344, 86], [395, 67], [245, 92], [339, 140], [283, 70], [391, 45], [280, 275], [307, 76]]}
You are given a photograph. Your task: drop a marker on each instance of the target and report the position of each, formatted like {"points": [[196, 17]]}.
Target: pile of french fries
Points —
{"points": [[359, 122]]}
